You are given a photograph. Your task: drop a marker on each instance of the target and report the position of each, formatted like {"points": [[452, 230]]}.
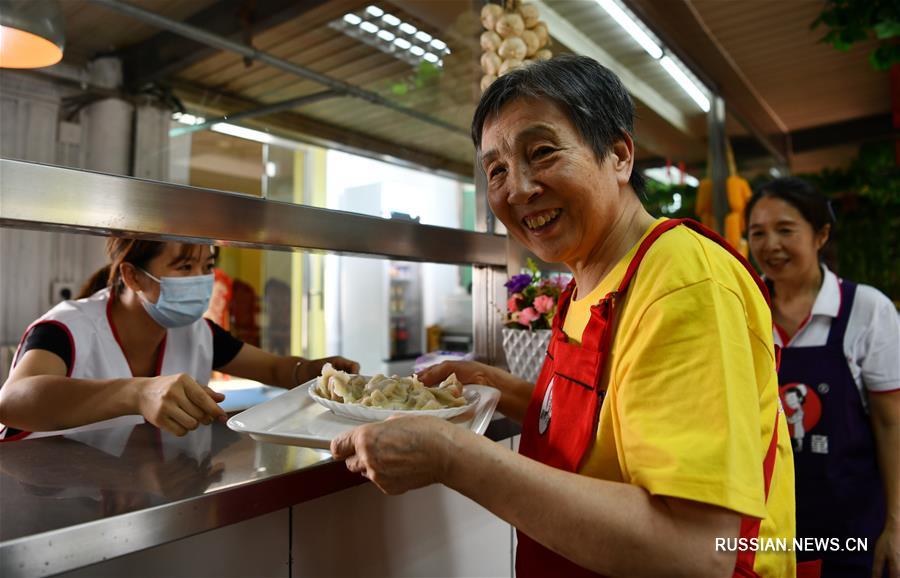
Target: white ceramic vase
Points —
{"points": [[525, 351]]}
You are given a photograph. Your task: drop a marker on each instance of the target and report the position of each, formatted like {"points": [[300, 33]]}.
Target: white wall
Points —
{"points": [[30, 261], [375, 188], [430, 532], [258, 547]]}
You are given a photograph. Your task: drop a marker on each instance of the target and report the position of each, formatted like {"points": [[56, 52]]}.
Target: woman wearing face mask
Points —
{"points": [[839, 380], [137, 349]]}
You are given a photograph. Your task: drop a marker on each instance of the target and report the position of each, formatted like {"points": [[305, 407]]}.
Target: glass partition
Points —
{"points": [[384, 313], [161, 91]]}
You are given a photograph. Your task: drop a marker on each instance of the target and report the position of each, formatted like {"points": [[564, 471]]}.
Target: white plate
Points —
{"points": [[364, 413], [294, 418]]}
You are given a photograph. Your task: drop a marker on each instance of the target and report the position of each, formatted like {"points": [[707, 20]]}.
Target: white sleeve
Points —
{"points": [[877, 348]]}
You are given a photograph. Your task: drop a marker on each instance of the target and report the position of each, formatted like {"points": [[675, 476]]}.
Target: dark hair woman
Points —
{"points": [[841, 348], [137, 348]]}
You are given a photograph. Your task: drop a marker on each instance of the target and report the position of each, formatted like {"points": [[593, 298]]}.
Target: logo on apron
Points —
{"points": [[546, 408], [803, 409]]}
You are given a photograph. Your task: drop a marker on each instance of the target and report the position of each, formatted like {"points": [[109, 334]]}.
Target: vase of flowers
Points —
{"points": [[530, 307]]}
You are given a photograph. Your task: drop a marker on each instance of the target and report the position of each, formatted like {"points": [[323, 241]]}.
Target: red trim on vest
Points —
{"points": [[19, 436], [786, 339], [750, 526], [115, 333], [782, 334], [59, 324], [112, 326], [161, 354], [65, 328]]}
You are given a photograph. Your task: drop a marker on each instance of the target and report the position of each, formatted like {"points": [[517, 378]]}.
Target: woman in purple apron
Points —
{"points": [[839, 380]]}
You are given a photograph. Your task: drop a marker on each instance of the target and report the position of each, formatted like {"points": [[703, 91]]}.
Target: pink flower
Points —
{"points": [[513, 304], [543, 303], [527, 315]]}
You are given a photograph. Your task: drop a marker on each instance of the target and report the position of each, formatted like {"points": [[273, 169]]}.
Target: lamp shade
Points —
{"points": [[31, 33]]}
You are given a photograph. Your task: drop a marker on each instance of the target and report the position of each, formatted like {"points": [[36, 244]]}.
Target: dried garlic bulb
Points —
{"points": [[490, 63], [490, 14], [510, 25], [532, 43], [542, 33], [512, 39], [529, 14], [490, 41], [508, 65], [513, 48]]}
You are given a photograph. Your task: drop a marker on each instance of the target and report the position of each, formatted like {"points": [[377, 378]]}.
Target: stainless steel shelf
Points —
{"points": [[46, 197]]}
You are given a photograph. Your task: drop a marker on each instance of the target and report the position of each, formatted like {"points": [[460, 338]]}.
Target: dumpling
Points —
{"points": [[395, 392]]}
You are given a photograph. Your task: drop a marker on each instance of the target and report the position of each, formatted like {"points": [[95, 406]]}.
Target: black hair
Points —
{"points": [[120, 250], [813, 206], [799, 393], [593, 97], [800, 194]]}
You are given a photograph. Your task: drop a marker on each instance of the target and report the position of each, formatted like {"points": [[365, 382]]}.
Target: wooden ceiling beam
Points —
{"points": [[856, 131]]}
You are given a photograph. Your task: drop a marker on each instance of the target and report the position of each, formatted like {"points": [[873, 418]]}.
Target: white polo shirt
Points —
{"points": [[872, 339]]}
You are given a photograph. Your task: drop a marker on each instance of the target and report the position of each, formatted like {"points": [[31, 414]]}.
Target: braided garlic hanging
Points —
{"points": [[514, 36]]}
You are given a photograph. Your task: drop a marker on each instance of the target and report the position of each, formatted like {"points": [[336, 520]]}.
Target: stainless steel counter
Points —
{"points": [[67, 502]]}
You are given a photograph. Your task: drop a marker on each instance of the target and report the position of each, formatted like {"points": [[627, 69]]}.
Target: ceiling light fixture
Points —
{"points": [[685, 82], [631, 26], [390, 34], [391, 20], [31, 33], [241, 132], [642, 35], [671, 176]]}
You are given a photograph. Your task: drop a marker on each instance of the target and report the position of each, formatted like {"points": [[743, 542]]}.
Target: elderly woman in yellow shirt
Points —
{"points": [[654, 428]]}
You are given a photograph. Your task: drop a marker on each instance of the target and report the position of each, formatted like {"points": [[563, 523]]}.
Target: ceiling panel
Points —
{"points": [[805, 82]]}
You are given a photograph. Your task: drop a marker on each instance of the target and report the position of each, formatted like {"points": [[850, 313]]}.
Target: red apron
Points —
{"points": [[570, 390]]}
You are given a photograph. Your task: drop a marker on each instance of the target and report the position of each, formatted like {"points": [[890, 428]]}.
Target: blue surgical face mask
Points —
{"points": [[182, 300]]}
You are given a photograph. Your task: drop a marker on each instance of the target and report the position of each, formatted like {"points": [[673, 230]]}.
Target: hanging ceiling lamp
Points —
{"points": [[31, 33]]}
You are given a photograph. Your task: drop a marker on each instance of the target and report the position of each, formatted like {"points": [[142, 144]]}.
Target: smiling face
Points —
{"points": [[547, 185], [783, 242]]}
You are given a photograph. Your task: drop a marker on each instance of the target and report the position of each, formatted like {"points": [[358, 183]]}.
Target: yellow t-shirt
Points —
{"points": [[692, 392]]}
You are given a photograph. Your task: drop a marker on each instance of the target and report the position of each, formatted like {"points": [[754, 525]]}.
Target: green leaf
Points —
{"points": [[887, 29]]}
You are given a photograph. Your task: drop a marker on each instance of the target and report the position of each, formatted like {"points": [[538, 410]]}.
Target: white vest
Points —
{"points": [[97, 354]]}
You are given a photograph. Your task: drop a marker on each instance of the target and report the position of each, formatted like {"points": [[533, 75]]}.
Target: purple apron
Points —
{"points": [[838, 484]]}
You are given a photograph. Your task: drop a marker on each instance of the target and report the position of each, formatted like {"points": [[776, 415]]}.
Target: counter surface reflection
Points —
{"points": [[69, 501]]}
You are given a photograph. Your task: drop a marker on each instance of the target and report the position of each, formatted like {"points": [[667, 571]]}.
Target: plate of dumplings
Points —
{"points": [[379, 397], [314, 413]]}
